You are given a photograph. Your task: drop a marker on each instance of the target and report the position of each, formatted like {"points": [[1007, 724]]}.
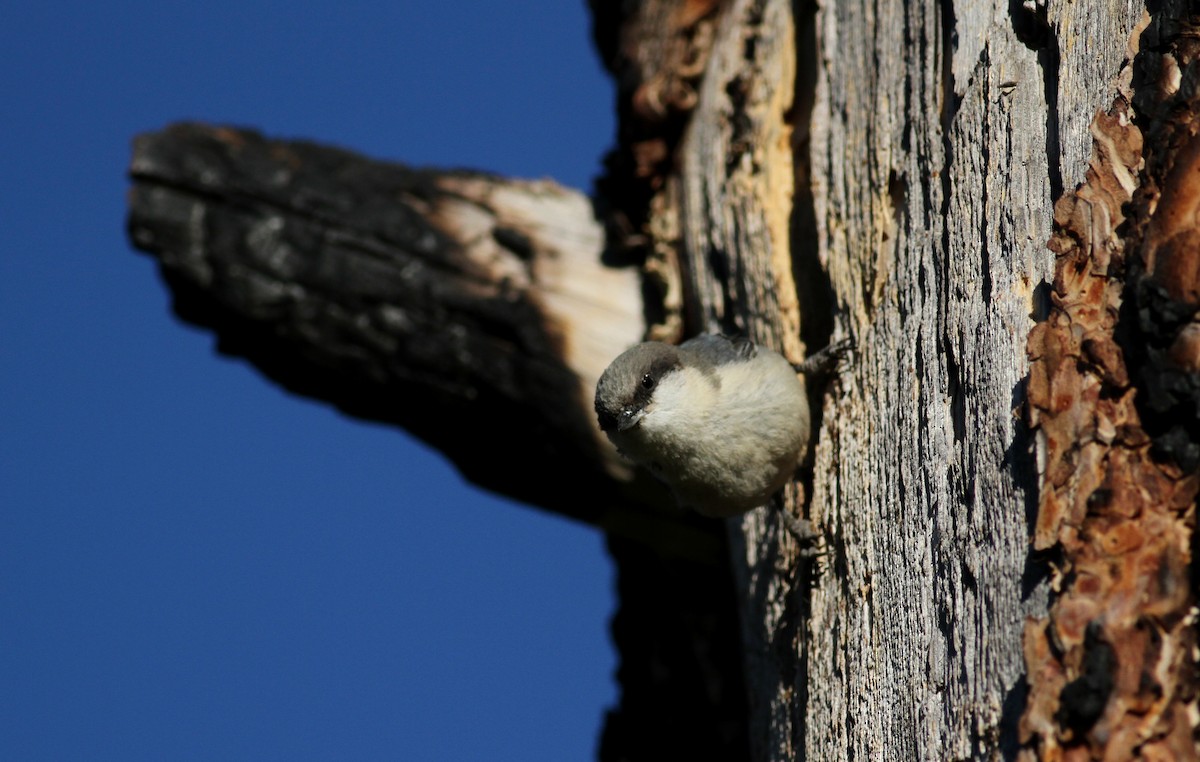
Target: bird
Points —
{"points": [[723, 422]]}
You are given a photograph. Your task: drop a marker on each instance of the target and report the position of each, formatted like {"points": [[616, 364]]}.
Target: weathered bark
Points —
{"points": [[1114, 394], [884, 171], [939, 136]]}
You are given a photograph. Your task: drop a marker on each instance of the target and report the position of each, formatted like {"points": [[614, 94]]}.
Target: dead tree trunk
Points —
{"points": [[999, 578]]}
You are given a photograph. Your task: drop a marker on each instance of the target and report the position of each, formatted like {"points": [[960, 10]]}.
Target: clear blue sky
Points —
{"points": [[194, 564]]}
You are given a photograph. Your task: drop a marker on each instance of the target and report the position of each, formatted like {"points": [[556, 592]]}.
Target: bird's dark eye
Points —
{"points": [[647, 381]]}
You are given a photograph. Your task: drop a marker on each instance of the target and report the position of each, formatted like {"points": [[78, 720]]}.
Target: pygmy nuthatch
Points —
{"points": [[722, 422]]}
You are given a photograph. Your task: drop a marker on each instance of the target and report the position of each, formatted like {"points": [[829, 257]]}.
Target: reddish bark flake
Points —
{"points": [[1112, 669]]}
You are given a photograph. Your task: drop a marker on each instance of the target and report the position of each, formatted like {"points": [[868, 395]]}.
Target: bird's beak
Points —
{"points": [[629, 418]]}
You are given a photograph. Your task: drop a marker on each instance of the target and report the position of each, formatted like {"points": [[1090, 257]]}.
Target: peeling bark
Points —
{"points": [[1112, 670]]}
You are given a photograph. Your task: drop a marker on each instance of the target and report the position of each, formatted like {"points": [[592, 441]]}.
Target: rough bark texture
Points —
{"points": [[940, 134], [734, 197], [1113, 393], [921, 474], [934, 154], [881, 170], [656, 51]]}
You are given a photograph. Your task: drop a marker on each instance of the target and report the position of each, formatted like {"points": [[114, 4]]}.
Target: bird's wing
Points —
{"points": [[719, 350]]}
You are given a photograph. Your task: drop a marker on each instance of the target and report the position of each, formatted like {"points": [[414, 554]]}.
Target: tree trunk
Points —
{"points": [[939, 136], [997, 578]]}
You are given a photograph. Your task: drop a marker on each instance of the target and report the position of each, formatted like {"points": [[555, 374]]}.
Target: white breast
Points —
{"points": [[724, 444]]}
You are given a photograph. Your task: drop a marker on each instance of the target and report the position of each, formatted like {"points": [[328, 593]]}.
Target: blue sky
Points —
{"points": [[194, 564]]}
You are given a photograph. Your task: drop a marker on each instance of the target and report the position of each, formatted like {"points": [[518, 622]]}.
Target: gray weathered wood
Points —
{"points": [[939, 133], [735, 200], [936, 248]]}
